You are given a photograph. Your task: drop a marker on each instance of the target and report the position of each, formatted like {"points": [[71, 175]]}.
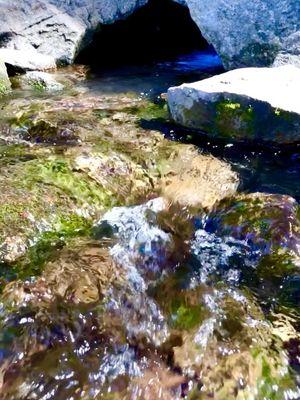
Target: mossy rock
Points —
{"points": [[232, 352], [89, 154], [243, 105], [269, 223]]}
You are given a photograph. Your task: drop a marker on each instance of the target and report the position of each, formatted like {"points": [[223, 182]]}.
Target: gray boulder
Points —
{"points": [[54, 28], [243, 32], [250, 33], [249, 103]]}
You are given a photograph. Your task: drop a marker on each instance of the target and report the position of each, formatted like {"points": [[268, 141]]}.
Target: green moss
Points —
{"points": [[271, 385], [233, 118], [251, 216], [153, 111], [47, 245], [11, 214], [229, 105], [145, 110], [13, 154], [38, 86], [102, 113], [58, 173], [277, 112], [4, 86], [186, 317]]}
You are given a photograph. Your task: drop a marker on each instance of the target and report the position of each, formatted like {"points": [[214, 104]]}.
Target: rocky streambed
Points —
{"points": [[135, 265]]}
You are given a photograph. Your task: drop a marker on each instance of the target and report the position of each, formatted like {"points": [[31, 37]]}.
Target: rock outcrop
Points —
{"points": [[45, 32], [250, 33], [244, 104], [55, 29]]}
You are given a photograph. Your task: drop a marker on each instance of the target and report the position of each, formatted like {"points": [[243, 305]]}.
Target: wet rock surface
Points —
{"points": [[246, 104], [82, 155], [142, 321], [130, 266]]}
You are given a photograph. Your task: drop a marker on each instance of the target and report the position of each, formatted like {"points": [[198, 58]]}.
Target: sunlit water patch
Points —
{"points": [[175, 326], [186, 312]]}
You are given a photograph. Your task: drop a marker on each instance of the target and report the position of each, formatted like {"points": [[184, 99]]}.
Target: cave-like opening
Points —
{"points": [[162, 29]]}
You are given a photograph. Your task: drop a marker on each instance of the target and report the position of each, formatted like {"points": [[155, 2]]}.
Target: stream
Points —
{"points": [[110, 292]]}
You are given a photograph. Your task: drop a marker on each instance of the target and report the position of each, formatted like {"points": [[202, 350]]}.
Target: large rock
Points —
{"points": [[243, 33], [26, 59], [55, 28], [249, 103], [250, 33]]}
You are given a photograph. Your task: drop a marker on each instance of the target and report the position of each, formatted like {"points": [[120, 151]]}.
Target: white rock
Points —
{"points": [[249, 103], [25, 60]]}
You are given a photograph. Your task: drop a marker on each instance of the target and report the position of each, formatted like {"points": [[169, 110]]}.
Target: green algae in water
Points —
{"points": [[153, 111], [46, 248], [58, 173], [186, 317], [15, 153]]}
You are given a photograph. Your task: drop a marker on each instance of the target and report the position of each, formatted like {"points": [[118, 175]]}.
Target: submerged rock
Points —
{"points": [[40, 81], [198, 180], [231, 354], [246, 104], [114, 314], [269, 224], [85, 154], [268, 220], [224, 344], [79, 275]]}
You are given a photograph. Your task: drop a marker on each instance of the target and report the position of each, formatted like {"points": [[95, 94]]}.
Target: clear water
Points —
{"points": [[186, 315], [153, 79], [262, 168]]}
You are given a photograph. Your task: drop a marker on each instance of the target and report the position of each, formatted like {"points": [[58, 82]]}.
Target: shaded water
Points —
{"points": [[157, 302]]}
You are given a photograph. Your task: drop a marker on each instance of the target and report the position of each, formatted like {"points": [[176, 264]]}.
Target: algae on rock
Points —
{"points": [[87, 154]]}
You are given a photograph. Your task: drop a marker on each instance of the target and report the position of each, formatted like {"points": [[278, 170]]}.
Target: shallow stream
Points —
{"points": [[120, 295]]}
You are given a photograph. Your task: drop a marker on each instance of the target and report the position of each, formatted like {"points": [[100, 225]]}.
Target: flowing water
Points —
{"points": [[263, 168], [143, 300]]}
